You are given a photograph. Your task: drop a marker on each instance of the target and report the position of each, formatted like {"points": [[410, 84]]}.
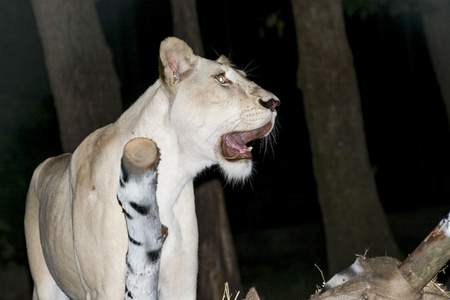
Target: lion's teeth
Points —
{"points": [[250, 148]]}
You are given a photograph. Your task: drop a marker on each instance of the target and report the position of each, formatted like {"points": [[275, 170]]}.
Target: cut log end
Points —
{"points": [[141, 153]]}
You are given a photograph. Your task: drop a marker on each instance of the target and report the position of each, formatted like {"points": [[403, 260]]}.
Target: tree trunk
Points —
{"points": [[352, 213], [437, 32], [217, 257], [83, 81], [185, 24]]}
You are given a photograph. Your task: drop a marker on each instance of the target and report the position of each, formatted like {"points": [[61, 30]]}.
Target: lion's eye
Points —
{"points": [[222, 79]]}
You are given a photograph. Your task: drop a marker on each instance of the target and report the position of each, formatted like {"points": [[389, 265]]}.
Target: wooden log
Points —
{"points": [[429, 257], [146, 234]]}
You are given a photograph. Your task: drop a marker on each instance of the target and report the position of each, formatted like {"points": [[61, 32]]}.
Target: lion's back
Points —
{"points": [[51, 175]]}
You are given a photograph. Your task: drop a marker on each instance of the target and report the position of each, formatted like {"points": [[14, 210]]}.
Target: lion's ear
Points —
{"points": [[224, 60], [176, 60]]}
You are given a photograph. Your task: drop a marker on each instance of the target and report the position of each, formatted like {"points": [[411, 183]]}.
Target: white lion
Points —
{"points": [[200, 113]]}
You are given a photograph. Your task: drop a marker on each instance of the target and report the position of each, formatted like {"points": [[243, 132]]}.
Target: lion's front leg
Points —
{"points": [[178, 275], [179, 259]]}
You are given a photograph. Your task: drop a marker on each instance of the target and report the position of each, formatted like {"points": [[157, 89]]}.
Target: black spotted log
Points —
{"points": [[137, 194]]}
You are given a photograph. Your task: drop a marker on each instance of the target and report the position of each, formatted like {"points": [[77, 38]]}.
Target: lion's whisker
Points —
{"points": [[226, 126]]}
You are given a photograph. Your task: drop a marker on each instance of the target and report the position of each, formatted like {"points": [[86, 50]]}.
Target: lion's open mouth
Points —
{"points": [[234, 144]]}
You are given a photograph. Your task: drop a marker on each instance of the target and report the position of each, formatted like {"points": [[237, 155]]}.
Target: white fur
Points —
{"points": [[445, 225], [75, 230]]}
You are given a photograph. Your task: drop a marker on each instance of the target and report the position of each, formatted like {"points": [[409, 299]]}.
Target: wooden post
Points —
{"points": [[429, 257], [146, 234]]}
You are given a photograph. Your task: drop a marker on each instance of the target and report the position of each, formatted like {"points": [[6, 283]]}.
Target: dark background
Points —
{"points": [[404, 116]]}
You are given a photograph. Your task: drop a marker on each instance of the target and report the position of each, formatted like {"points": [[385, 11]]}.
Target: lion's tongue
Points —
{"points": [[237, 142], [233, 146]]}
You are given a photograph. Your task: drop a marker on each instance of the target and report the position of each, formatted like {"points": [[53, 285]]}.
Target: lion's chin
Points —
{"points": [[235, 157], [236, 171]]}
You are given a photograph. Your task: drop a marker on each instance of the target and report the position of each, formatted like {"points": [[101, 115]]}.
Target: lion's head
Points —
{"points": [[215, 109]]}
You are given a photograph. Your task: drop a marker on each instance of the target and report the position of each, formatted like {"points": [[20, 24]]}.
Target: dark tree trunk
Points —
{"points": [[217, 257], [79, 64], [436, 25], [185, 24], [352, 213]]}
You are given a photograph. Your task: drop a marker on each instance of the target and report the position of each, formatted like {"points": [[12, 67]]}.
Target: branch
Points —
{"points": [[429, 257]]}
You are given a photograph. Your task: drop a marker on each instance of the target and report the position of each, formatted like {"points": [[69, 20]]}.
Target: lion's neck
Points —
{"points": [[149, 117]]}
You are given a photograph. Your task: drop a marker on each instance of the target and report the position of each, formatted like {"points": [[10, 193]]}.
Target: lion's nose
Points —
{"points": [[269, 104]]}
